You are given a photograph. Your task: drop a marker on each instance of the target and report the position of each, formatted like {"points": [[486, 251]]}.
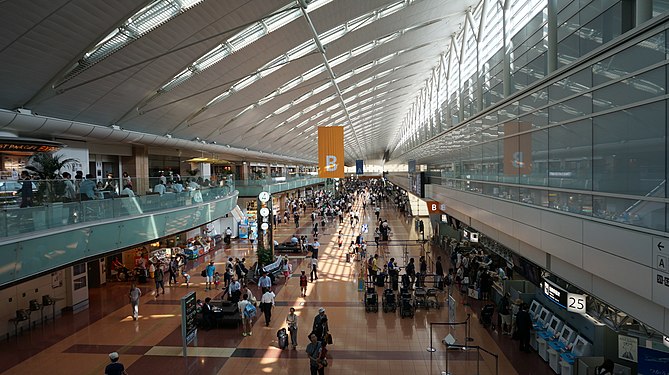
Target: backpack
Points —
{"points": [[249, 311], [203, 273]]}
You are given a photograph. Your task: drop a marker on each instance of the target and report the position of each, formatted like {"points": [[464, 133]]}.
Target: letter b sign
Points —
{"points": [[330, 163]]}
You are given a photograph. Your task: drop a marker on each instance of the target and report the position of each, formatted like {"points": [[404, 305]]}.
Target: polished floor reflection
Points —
{"points": [[364, 342]]}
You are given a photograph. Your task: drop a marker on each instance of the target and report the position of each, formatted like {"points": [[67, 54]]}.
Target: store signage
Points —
{"points": [[576, 303], [263, 196], [264, 212], [555, 293], [28, 145], [665, 341], [264, 226]]}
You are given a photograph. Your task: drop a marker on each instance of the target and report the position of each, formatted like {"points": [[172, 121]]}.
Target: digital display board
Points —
{"points": [[188, 319]]}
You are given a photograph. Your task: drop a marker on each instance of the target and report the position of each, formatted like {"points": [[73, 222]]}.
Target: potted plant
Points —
{"points": [[47, 166]]}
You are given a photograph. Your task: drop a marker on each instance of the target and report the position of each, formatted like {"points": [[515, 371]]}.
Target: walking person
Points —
{"points": [[115, 367], [174, 270], [134, 295], [247, 314], [314, 353], [320, 327], [266, 304], [159, 277], [291, 320], [314, 269], [264, 283], [303, 284]]}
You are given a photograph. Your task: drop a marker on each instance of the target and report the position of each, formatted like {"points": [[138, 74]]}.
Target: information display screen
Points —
{"points": [[189, 312]]}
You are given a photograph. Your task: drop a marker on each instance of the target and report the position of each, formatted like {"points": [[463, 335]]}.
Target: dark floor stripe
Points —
{"points": [[106, 349], [318, 304], [335, 354]]}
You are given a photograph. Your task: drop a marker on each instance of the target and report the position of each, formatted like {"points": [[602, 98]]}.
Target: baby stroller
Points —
{"points": [[389, 302], [486, 315], [406, 305], [371, 300]]}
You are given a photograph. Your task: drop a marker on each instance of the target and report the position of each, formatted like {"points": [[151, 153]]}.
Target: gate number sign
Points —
{"points": [[576, 303]]}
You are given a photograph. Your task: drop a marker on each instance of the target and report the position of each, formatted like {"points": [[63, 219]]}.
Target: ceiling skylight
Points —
{"points": [[139, 24]]}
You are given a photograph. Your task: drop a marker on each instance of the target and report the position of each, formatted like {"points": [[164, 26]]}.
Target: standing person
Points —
{"points": [[115, 367], [209, 279], [247, 315], [159, 277], [439, 271], [504, 310], [523, 327], [264, 283], [134, 295], [314, 353], [291, 319], [174, 270], [320, 327], [303, 284], [266, 304], [410, 270], [26, 190], [235, 291], [70, 191], [422, 264], [315, 246], [314, 269]]}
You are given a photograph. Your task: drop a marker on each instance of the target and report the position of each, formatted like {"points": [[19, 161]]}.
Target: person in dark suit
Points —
{"points": [[523, 328], [208, 319]]}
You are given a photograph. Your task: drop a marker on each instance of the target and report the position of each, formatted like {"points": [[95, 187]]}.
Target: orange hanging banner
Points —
{"points": [[331, 152]]}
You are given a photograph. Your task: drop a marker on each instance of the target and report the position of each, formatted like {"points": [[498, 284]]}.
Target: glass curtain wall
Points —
{"points": [[591, 142]]}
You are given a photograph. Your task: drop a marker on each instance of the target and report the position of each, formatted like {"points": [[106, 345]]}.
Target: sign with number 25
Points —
{"points": [[576, 303]]}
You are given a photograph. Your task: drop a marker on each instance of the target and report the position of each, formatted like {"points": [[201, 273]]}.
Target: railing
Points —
{"points": [[53, 209], [274, 185]]}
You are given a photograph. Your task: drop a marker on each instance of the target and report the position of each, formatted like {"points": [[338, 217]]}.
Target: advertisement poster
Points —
{"points": [[244, 229], [653, 362], [627, 348]]}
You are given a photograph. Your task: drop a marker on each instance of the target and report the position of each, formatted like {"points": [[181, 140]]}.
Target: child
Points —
{"points": [[186, 278], [339, 240], [217, 280]]}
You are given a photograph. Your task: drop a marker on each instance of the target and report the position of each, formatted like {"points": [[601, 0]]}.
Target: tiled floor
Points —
{"points": [[364, 342]]}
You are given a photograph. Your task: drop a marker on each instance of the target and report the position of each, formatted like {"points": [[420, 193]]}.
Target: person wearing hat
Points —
{"points": [[320, 327], [115, 368]]}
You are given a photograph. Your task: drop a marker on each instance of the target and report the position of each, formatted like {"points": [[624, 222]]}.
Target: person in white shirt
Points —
{"points": [[70, 190], [192, 185], [266, 304], [134, 295], [178, 187], [160, 188], [291, 320]]}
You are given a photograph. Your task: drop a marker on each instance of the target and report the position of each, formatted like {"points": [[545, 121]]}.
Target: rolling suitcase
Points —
{"points": [[380, 280]]}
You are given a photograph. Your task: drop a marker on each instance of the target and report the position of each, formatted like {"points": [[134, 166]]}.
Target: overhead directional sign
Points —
{"points": [[359, 167]]}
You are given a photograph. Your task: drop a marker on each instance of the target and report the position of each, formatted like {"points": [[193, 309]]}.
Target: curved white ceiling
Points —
{"points": [[194, 72]]}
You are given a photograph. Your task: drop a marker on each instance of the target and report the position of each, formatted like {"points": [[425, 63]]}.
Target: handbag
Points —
{"points": [[328, 338], [323, 362]]}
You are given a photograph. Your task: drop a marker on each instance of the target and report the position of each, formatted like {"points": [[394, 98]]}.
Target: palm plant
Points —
{"points": [[47, 166]]}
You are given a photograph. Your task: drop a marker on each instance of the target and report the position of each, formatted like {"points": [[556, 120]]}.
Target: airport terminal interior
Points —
{"points": [[334, 186]]}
